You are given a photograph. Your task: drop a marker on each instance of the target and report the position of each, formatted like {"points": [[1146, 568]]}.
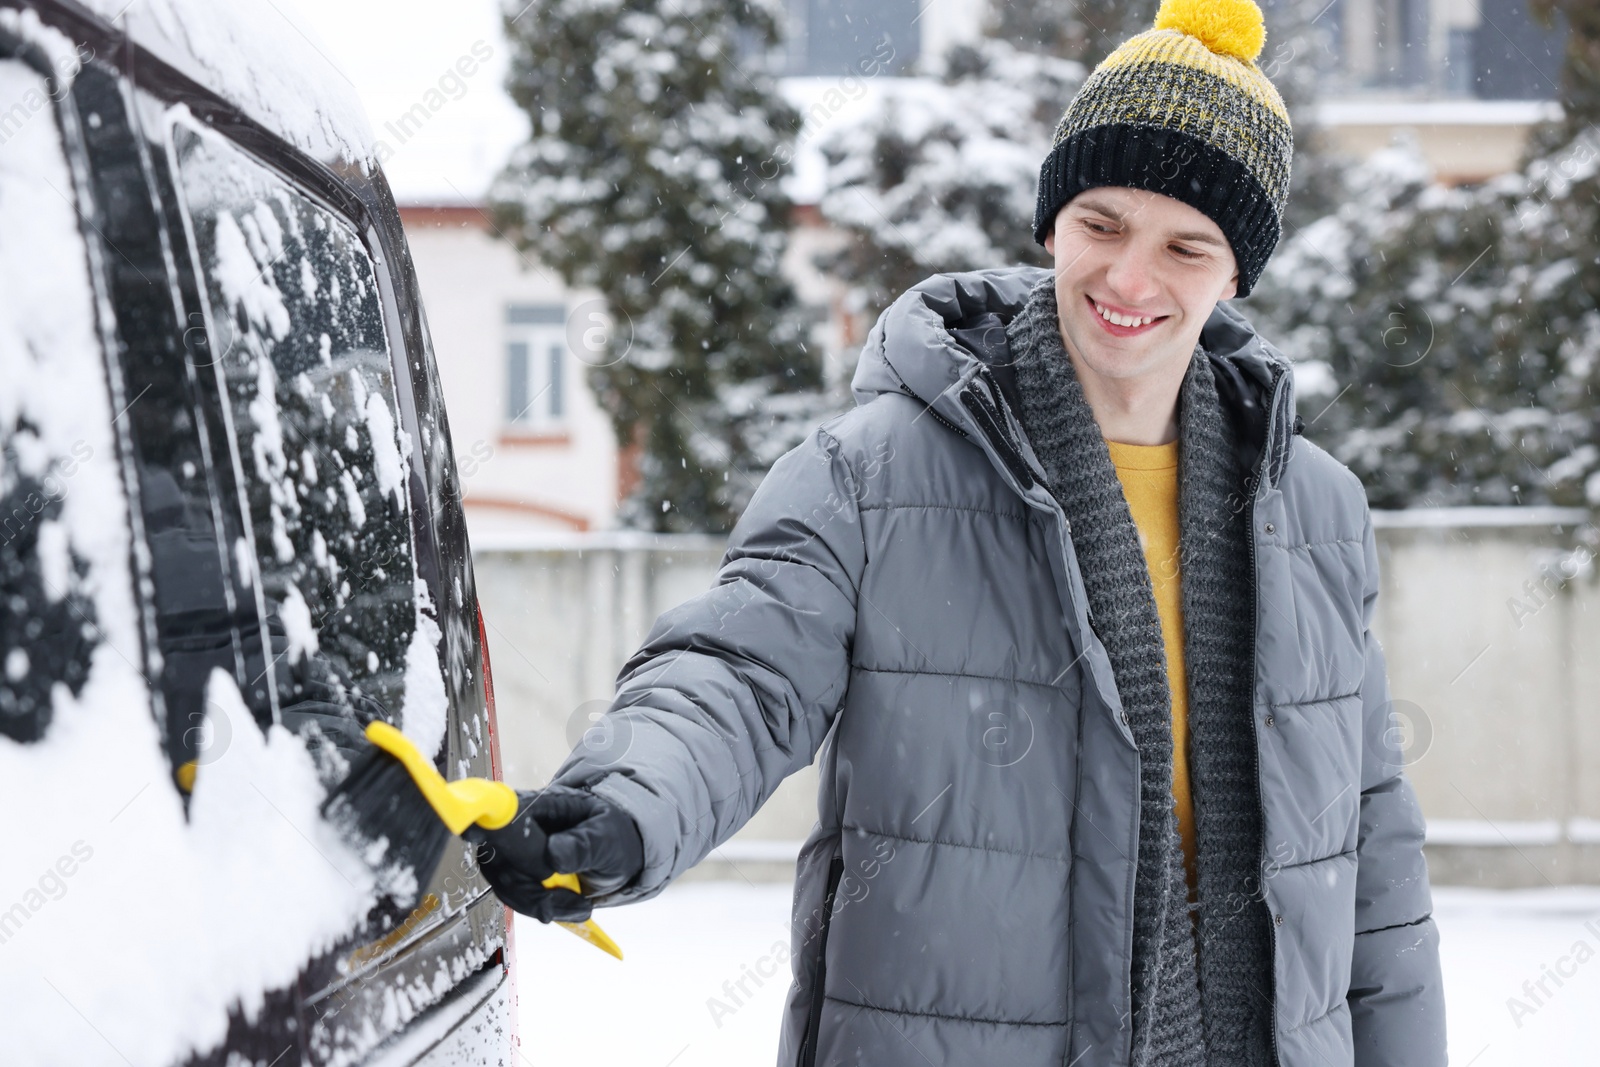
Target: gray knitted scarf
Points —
{"points": [[1206, 1000]]}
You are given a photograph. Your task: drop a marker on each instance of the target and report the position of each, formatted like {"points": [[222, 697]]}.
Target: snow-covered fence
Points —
{"points": [[1490, 619]]}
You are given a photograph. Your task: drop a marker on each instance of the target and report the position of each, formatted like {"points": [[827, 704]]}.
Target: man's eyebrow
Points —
{"points": [[1110, 212]]}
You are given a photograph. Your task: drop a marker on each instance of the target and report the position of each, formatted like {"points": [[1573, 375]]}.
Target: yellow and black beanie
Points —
{"points": [[1182, 110]]}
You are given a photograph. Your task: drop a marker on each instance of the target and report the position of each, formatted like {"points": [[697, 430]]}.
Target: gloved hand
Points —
{"points": [[558, 828]]}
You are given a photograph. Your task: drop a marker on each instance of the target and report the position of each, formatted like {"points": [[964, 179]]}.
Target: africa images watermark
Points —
{"points": [[50, 489], [1554, 577], [852, 888], [849, 89], [450, 85], [1537, 992], [32, 101], [51, 885]]}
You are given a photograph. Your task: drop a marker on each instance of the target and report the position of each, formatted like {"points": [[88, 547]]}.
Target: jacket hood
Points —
{"points": [[949, 329]]}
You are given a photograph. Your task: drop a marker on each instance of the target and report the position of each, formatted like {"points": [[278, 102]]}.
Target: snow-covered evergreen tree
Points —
{"points": [[1580, 71], [941, 176], [652, 176], [1452, 334]]}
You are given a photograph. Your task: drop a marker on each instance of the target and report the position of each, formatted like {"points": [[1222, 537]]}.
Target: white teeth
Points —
{"points": [[1120, 320]]}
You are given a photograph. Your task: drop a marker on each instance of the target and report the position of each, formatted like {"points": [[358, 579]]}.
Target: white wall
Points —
{"points": [[512, 484]]}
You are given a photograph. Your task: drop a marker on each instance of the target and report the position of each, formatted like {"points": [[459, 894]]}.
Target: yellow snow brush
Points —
{"points": [[456, 805]]}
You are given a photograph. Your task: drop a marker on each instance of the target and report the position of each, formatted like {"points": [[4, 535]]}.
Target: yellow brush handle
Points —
{"points": [[458, 804], [467, 801]]}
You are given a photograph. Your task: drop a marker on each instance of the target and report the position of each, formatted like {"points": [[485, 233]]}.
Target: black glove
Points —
{"points": [[558, 828]]}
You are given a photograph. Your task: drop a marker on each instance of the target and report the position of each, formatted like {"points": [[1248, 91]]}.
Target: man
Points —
{"points": [[1108, 776]]}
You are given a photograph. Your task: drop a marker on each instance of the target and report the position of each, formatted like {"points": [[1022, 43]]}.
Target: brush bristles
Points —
{"points": [[380, 809]]}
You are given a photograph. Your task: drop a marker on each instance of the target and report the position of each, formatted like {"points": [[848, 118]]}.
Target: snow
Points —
{"points": [[264, 58], [1495, 944], [687, 949], [1455, 518], [1468, 112], [1313, 377], [442, 1035], [298, 627], [1497, 833], [238, 271], [390, 457], [826, 104], [1459, 322], [679, 949], [57, 48], [100, 971], [50, 364], [352, 496], [938, 170], [424, 715]]}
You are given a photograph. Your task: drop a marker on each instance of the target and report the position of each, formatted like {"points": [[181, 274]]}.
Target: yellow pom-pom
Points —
{"points": [[1227, 27]]}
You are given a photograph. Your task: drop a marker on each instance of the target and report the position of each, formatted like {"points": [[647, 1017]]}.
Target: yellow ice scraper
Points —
{"points": [[459, 804]]}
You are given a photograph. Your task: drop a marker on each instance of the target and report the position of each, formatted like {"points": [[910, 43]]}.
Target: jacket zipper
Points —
{"points": [[808, 1049], [989, 421], [1255, 727]]}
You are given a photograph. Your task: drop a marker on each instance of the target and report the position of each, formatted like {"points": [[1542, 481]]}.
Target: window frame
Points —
{"points": [[538, 372]]}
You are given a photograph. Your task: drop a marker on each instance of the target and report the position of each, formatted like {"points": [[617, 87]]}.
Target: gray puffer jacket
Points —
{"points": [[902, 594]]}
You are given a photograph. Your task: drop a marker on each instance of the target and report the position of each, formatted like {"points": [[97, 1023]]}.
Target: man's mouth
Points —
{"points": [[1120, 325]]}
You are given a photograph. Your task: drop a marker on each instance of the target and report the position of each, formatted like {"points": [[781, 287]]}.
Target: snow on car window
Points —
{"points": [[63, 565], [262, 57], [297, 330], [101, 865]]}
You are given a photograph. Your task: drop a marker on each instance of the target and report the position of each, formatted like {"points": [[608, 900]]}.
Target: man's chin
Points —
{"points": [[1133, 357]]}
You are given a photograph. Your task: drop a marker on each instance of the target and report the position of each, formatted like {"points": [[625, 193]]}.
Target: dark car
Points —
{"points": [[230, 537]]}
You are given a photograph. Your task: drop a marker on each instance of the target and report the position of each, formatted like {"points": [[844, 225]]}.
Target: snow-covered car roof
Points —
{"points": [[260, 56]]}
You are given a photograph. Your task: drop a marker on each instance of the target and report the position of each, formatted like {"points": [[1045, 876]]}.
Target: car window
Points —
{"points": [[295, 330]]}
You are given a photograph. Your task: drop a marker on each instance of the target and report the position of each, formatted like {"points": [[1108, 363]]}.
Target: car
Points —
{"points": [[231, 536]]}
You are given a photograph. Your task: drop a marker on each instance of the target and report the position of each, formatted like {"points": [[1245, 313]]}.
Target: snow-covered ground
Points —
{"points": [[690, 946]]}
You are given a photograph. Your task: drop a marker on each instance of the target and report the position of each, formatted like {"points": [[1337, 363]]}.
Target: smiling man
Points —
{"points": [[1078, 628], [1137, 276]]}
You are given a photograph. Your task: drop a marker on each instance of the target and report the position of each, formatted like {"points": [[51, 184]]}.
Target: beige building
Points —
{"points": [[535, 450]]}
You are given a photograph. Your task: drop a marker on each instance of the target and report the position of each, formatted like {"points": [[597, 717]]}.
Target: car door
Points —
{"points": [[248, 427]]}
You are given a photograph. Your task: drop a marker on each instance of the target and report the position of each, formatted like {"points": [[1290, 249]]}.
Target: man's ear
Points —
{"points": [[1050, 242], [1233, 287]]}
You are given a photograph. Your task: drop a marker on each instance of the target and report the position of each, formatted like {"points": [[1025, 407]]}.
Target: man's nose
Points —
{"points": [[1131, 278]]}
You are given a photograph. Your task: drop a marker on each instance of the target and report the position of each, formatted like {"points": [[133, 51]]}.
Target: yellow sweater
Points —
{"points": [[1149, 476]]}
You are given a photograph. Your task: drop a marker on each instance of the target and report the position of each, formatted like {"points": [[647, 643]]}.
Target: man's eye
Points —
{"points": [[1097, 228], [1186, 253]]}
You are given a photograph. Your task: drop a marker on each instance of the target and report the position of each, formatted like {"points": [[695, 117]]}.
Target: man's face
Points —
{"points": [[1144, 256]]}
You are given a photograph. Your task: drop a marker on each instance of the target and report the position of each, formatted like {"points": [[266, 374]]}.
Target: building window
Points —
{"points": [[536, 372], [832, 38], [1490, 49]]}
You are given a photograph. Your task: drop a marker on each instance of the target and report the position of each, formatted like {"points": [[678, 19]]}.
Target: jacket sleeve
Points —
{"points": [[1396, 993], [735, 689]]}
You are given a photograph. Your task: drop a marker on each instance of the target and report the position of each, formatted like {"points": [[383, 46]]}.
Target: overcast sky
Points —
{"points": [[395, 52]]}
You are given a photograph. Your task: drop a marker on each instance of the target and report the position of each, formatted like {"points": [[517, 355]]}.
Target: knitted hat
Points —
{"points": [[1182, 110]]}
